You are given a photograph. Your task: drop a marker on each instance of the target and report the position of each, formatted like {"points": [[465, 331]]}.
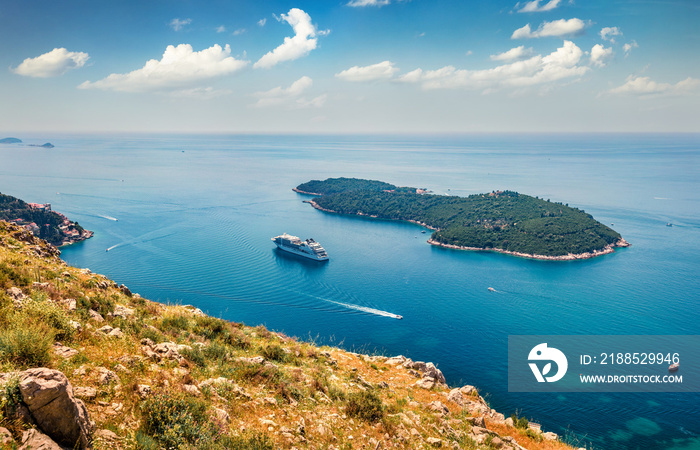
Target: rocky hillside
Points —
{"points": [[86, 363]]}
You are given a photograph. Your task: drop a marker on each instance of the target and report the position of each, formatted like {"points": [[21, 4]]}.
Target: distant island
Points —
{"points": [[500, 221], [11, 140], [41, 221], [47, 145]]}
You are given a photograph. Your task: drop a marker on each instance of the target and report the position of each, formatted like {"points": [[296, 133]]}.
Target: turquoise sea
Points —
{"points": [[189, 219]]}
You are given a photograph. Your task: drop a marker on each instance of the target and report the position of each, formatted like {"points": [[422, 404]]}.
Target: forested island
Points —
{"points": [[502, 221], [44, 223]]}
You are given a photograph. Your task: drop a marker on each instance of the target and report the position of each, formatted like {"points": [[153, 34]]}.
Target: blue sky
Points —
{"points": [[349, 66]]}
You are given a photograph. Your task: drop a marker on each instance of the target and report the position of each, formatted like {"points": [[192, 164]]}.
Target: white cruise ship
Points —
{"points": [[308, 249]]}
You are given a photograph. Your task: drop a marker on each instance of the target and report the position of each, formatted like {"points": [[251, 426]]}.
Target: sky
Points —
{"points": [[349, 66]]}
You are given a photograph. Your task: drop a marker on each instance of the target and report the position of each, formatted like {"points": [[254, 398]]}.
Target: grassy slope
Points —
{"points": [[302, 396]]}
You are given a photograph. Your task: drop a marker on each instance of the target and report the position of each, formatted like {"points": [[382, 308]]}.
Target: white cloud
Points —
{"points": [[178, 24], [645, 86], [180, 66], [291, 97], [361, 3], [558, 65], [56, 62], [600, 55], [262, 22], [201, 93], [382, 71], [221, 29], [534, 6], [607, 33], [239, 31], [629, 46], [556, 28], [513, 54], [303, 41]]}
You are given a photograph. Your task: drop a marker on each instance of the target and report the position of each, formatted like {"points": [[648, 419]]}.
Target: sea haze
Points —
{"points": [[189, 219]]}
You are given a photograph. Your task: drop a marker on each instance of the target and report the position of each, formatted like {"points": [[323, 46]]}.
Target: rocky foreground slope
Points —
{"points": [[87, 364]]}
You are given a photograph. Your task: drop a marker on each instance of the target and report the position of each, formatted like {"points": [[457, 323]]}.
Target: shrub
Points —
{"points": [[274, 353], [365, 405], [52, 315], [26, 343], [178, 421]]}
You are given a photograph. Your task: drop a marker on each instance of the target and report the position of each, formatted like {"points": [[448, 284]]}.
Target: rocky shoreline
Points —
{"points": [[570, 257]]}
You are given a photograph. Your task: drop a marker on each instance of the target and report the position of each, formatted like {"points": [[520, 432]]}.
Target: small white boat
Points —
{"points": [[492, 289], [673, 367]]}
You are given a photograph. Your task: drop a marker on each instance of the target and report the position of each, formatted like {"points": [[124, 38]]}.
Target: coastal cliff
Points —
{"points": [[131, 373]]}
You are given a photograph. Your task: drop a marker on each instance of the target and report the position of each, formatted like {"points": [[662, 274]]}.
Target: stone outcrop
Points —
{"points": [[49, 397]]}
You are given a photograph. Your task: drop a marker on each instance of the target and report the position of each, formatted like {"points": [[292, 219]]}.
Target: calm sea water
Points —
{"points": [[195, 214]]}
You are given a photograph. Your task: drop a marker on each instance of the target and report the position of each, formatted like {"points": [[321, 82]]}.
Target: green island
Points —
{"points": [[44, 223], [501, 221]]}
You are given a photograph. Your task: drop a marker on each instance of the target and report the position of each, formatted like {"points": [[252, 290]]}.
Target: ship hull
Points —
{"points": [[301, 253]]}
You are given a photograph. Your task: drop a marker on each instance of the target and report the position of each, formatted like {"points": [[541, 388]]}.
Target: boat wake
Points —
{"points": [[108, 217], [365, 309], [114, 246]]}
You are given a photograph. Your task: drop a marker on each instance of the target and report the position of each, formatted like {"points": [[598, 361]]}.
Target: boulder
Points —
{"points": [[395, 360], [6, 437], [86, 393], [106, 376], [16, 295], [435, 442], [36, 440], [425, 383], [438, 407], [434, 372], [123, 312], [49, 396], [63, 351], [456, 396], [97, 317]]}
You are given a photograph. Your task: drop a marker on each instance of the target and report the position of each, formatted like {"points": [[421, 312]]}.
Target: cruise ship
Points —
{"points": [[308, 249]]}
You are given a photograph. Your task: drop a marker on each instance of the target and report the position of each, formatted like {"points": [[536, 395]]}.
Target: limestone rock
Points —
{"points": [[97, 317], [221, 415], [435, 442], [125, 290], [456, 396], [106, 376], [395, 360], [425, 383], [468, 389], [550, 436], [254, 360], [123, 312], [434, 372], [143, 390], [36, 440], [49, 396], [87, 393], [6, 437], [63, 351], [192, 390], [438, 407], [16, 295]]}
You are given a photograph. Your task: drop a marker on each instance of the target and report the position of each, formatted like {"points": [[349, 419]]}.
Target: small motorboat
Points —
{"points": [[673, 367], [669, 224], [492, 289]]}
